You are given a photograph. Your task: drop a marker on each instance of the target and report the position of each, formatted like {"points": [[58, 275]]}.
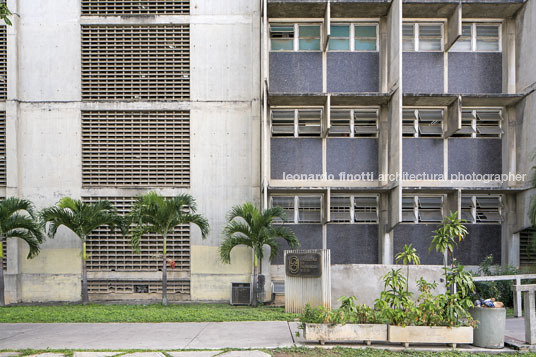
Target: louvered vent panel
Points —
{"points": [[2, 148], [136, 148], [135, 7], [113, 252], [527, 247], [3, 62], [135, 62], [141, 286], [4, 250]]}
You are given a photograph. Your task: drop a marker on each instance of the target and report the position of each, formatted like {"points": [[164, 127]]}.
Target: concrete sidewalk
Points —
{"points": [[180, 336]]}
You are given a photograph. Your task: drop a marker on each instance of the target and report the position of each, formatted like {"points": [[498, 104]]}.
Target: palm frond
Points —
{"points": [[228, 244]]}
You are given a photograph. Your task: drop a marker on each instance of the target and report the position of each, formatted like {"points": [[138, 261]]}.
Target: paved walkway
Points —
{"points": [[180, 336]]}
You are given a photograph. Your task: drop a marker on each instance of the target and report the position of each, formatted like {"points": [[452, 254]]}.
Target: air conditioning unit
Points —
{"points": [[240, 293]]}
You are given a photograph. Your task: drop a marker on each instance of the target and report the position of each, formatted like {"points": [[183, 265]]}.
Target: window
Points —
{"points": [[366, 37], [422, 37], [355, 37], [296, 122], [340, 38], [355, 123], [299, 209], [481, 123], [282, 37], [287, 204], [479, 37], [422, 209], [422, 123], [484, 209], [354, 209]]}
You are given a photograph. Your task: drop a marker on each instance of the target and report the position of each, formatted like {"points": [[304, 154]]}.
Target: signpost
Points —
{"points": [[307, 279]]}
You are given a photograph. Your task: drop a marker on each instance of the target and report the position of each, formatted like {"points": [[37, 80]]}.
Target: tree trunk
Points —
{"points": [[85, 296], [254, 296], [2, 299], [164, 275]]}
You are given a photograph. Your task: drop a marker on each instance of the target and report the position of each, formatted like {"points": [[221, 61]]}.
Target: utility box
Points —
{"points": [[240, 293]]}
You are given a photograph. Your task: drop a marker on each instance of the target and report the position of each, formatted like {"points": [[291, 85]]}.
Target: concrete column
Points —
{"points": [[530, 317]]}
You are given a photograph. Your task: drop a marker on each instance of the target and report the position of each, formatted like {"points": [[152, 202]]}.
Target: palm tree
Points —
{"points": [[81, 218], [17, 220], [153, 213], [246, 225]]}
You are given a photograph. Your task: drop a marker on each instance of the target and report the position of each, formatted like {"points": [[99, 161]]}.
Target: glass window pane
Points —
{"points": [[339, 44], [462, 45], [365, 45], [487, 45], [282, 45], [408, 45], [430, 45], [407, 30], [340, 31], [365, 31], [309, 31], [430, 30], [466, 30], [487, 31], [310, 45], [408, 40]]}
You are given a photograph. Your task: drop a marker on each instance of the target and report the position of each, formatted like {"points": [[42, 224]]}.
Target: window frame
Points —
{"points": [[416, 122], [352, 37], [353, 212], [296, 208], [415, 208], [352, 122], [296, 39], [474, 24], [474, 123], [474, 209], [416, 31], [296, 110]]}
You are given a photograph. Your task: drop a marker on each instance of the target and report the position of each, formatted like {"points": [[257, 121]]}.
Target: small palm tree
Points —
{"points": [[81, 218], [17, 220], [445, 236], [408, 256], [153, 213], [246, 225]]}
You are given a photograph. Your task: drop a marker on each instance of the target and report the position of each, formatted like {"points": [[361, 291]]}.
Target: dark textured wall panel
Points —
{"points": [[420, 235], [482, 240], [352, 156], [353, 243], [309, 236], [353, 72], [481, 156], [422, 155], [296, 72], [422, 72], [295, 156], [471, 72]]}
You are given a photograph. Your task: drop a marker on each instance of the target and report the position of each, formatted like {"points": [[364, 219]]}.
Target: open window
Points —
{"points": [[359, 208], [481, 123], [422, 209], [479, 37], [356, 123], [417, 123], [283, 123], [287, 204], [482, 209], [309, 209], [282, 37], [422, 37]]}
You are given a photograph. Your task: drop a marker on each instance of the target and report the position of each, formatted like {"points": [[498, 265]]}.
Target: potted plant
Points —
{"points": [[350, 322]]}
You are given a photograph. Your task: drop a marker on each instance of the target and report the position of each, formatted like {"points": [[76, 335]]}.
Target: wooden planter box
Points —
{"points": [[348, 332], [430, 334]]}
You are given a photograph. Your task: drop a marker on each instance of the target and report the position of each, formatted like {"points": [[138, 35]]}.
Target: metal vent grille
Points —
{"points": [[137, 286], [136, 148], [113, 252], [240, 293], [135, 7], [527, 246], [4, 250], [135, 62]]}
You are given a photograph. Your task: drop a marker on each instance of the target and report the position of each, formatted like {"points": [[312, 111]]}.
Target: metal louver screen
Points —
{"points": [[135, 7], [140, 286], [4, 250], [122, 148], [3, 62], [2, 148], [527, 247], [113, 252], [135, 62]]}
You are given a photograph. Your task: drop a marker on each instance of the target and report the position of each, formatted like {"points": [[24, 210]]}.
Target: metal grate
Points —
{"points": [[2, 148], [135, 62], [527, 246], [113, 252], [137, 286], [136, 148], [3, 62], [4, 250], [135, 7]]}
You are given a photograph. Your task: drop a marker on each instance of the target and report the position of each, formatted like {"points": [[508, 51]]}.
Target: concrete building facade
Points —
{"points": [[368, 121]]}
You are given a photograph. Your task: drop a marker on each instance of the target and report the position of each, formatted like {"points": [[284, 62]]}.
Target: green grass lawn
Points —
{"points": [[142, 313]]}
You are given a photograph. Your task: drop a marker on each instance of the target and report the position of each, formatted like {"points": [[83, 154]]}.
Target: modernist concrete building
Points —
{"points": [[367, 120]]}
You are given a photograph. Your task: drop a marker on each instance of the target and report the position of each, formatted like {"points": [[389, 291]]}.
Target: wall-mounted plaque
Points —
{"points": [[304, 265]]}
